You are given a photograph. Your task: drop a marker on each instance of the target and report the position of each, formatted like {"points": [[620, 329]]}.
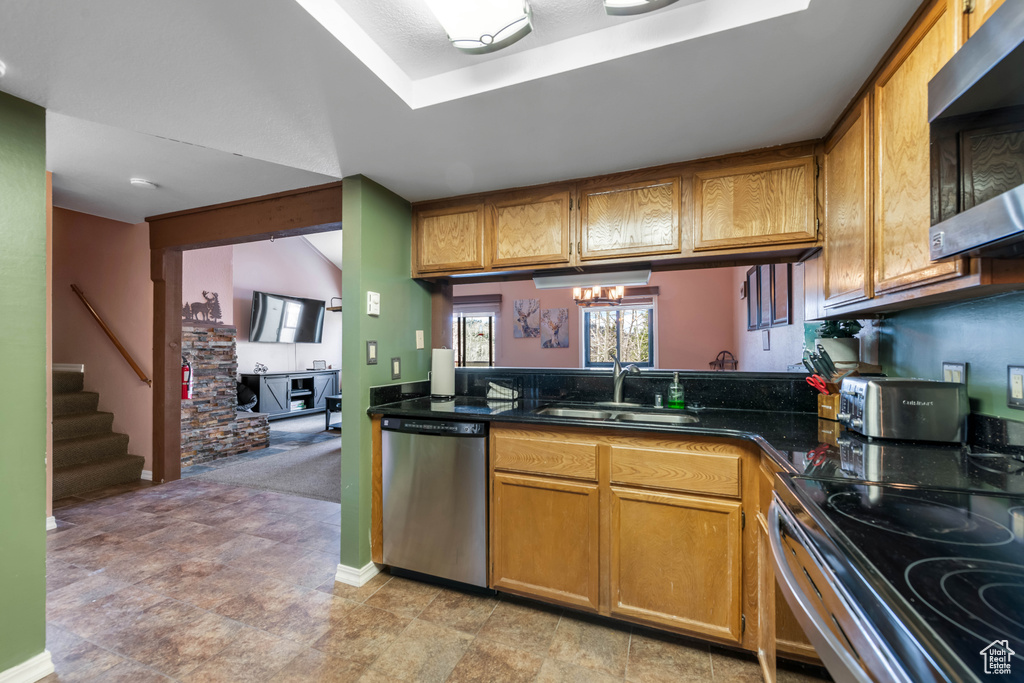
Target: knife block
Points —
{"points": [[828, 406]]}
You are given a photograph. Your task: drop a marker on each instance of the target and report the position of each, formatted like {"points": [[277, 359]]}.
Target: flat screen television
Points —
{"points": [[286, 319]]}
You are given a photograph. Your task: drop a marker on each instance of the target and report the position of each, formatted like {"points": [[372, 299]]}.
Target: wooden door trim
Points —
{"points": [[283, 214]]}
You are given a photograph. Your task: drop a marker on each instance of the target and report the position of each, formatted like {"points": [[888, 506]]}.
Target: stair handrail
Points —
{"points": [[112, 336]]}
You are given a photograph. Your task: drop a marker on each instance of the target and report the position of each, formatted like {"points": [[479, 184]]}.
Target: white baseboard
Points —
{"points": [[29, 671], [68, 367], [147, 475], [51, 523], [356, 577]]}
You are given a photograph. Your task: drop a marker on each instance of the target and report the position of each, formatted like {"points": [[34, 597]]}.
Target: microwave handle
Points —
{"points": [[839, 661]]}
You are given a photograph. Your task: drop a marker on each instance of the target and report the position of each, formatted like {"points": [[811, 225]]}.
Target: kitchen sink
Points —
{"points": [[659, 418], [621, 416], [577, 413]]}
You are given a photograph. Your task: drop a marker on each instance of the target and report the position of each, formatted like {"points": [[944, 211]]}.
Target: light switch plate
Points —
{"points": [[1015, 386], [373, 303], [954, 372], [371, 353], [396, 368], [419, 339]]}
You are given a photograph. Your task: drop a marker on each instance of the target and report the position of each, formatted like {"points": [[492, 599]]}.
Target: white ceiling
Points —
{"points": [[249, 81], [328, 244]]}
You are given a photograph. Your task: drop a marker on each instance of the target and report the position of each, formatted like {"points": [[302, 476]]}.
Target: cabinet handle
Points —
{"points": [[579, 248], [570, 248]]}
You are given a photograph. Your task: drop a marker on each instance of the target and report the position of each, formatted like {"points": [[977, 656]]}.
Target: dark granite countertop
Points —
{"points": [[778, 434]]}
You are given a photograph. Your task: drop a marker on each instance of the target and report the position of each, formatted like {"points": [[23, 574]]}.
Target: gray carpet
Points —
{"points": [[312, 471], [307, 424]]}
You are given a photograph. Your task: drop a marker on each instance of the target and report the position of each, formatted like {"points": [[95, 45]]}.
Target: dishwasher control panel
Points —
{"points": [[397, 424]]}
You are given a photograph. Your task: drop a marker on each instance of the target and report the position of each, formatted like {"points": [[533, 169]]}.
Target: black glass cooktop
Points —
{"points": [[954, 559]]}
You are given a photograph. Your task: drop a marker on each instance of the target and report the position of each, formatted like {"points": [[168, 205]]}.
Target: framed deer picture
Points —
{"points": [[527, 318], [554, 328]]}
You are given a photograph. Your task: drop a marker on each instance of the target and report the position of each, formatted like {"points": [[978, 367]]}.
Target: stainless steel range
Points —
{"points": [[905, 562]]}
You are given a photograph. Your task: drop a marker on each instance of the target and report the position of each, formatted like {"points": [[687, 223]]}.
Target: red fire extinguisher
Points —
{"points": [[186, 378]]}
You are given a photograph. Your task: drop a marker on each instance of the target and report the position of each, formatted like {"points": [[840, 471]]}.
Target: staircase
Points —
{"points": [[87, 454]]}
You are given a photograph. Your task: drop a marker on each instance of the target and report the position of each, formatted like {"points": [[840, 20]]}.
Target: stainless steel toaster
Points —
{"points": [[911, 409]]}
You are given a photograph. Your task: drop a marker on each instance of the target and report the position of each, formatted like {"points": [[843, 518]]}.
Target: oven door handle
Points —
{"points": [[839, 661]]}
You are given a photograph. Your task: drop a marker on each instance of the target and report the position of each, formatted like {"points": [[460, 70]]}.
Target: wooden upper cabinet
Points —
{"points": [[980, 12], [902, 161], [449, 239], [847, 276], [755, 205], [530, 228], [634, 219], [676, 561]]}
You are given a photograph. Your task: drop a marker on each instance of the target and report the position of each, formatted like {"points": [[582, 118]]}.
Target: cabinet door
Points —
{"points": [[848, 209], [756, 205], [323, 386], [274, 395], [636, 219], [765, 603], [530, 229], [982, 10], [449, 239], [902, 160], [676, 561], [544, 539]]}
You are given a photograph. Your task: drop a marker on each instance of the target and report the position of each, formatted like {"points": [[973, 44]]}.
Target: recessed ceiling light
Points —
{"points": [[481, 26], [143, 183], [626, 7]]}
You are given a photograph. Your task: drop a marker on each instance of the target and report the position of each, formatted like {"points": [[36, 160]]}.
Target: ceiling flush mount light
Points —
{"points": [[482, 26], [627, 7], [598, 295], [142, 183]]}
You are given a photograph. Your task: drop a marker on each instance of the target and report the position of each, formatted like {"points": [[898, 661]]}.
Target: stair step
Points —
{"points": [[67, 382], [75, 402], [81, 450], [81, 424], [77, 479]]}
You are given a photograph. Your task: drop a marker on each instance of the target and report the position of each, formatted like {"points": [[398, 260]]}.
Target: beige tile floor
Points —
{"points": [[201, 582]]}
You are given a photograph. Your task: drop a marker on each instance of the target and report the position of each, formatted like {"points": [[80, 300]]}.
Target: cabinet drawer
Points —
{"points": [[677, 470], [544, 453]]}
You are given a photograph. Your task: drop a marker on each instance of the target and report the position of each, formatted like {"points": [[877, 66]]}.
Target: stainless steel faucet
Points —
{"points": [[619, 374]]}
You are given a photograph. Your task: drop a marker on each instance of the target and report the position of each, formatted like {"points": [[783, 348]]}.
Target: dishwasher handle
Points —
{"points": [[435, 427]]}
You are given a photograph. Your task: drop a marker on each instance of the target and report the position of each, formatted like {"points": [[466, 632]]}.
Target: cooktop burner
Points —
{"points": [[929, 520], [983, 598]]}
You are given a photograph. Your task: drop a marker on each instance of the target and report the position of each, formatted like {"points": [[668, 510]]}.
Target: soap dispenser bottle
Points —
{"points": [[675, 394]]}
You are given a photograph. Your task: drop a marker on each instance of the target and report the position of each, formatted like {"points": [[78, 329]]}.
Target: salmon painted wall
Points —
{"points": [[109, 261], [293, 267], [208, 270], [786, 341], [694, 320]]}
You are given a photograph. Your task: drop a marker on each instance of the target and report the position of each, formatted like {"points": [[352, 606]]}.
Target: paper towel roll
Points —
{"points": [[442, 372]]}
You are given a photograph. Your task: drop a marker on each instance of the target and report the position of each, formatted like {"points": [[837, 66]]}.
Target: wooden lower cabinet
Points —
{"points": [[676, 561], [545, 539]]}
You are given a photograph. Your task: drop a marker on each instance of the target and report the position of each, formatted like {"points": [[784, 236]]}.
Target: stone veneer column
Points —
{"points": [[211, 426]]}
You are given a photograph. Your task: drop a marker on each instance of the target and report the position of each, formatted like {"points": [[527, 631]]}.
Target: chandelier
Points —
{"points": [[598, 295]]}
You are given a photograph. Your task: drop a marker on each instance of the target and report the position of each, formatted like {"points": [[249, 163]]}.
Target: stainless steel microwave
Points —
{"points": [[976, 112]]}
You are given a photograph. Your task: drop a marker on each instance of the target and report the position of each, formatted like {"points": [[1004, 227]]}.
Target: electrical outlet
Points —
{"points": [[396, 368], [954, 372], [371, 353], [419, 339], [372, 303], [1015, 386]]}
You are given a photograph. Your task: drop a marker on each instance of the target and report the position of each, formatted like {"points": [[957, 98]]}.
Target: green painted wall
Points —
{"points": [[986, 333], [23, 368], [377, 242]]}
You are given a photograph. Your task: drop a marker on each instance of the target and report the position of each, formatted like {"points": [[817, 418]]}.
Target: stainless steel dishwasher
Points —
{"points": [[435, 497]]}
